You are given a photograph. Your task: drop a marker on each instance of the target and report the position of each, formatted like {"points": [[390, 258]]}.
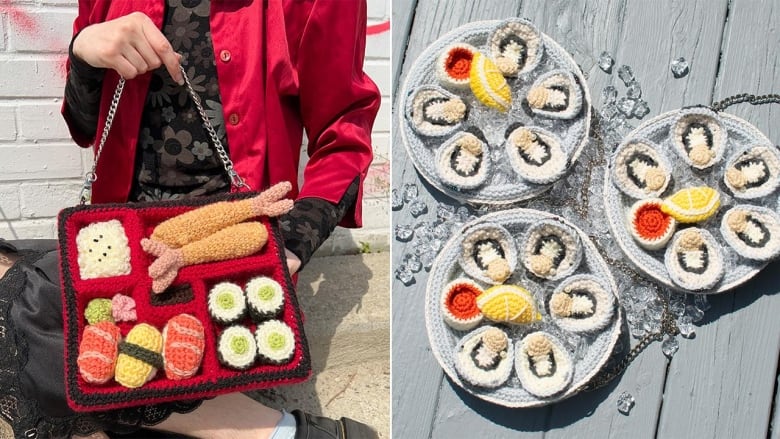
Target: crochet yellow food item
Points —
{"points": [[488, 84], [509, 304], [692, 205], [139, 356]]}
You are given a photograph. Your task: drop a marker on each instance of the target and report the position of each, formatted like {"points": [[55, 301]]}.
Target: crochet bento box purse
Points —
{"points": [[177, 300]]}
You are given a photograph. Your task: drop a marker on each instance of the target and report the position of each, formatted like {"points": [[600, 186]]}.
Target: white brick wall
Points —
{"points": [[40, 167]]}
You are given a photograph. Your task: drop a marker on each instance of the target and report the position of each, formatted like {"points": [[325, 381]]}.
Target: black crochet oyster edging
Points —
{"points": [[145, 396]]}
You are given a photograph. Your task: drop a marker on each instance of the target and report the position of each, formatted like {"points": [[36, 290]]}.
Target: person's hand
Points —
{"points": [[132, 45], [293, 261]]}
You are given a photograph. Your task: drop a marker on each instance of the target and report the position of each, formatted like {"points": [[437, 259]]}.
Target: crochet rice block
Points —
{"points": [[103, 250], [207, 220], [139, 356], [98, 352], [183, 344]]}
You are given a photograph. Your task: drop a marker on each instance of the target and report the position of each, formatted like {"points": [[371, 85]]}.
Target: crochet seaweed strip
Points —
{"points": [[717, 161], [504, 55]]}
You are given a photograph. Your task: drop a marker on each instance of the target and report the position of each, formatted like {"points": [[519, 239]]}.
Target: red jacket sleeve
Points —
{"points": [[338, 102]]}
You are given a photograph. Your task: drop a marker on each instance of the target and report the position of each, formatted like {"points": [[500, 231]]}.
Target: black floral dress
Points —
{"points": [[174, 159]]}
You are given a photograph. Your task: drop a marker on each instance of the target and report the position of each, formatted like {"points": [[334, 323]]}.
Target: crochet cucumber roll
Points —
{"points": [[265, 298], [236, 347], [226, 303], [275, 342], [139, 356]]}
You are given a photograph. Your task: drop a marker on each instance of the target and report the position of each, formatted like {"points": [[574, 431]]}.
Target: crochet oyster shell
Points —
{"points": [[556, 95], [582, 303], [639, 171], [479, 362], [434, 111], [488, 253], [551, 250], [463, 161], [516, 47], [694, 259], [753, 172], [543, 365], [752, 231], [699, 137], [535, 154]]}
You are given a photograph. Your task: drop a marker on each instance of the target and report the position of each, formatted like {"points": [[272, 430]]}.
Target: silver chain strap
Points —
{"points": [[91, 176]]}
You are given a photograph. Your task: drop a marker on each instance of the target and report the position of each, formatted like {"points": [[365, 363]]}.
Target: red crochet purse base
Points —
{"points": [[188, 294]]}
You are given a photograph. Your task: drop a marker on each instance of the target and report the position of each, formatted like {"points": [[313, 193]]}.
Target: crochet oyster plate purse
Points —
{"points": [[521, 309], [177, 300], [691, 199], [494, 112]]}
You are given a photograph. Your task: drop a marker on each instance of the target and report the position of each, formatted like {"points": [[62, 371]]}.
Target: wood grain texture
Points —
{"points": [[403, 15], [725, 380]]}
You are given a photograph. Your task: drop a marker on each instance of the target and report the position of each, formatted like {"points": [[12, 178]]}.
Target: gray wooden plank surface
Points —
{"points": [[714, 380], [733, 363], [403, 14]]}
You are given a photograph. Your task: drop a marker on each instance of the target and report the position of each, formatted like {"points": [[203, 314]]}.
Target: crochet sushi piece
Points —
{"points": [[275, 342], [139, 356], [459, 304], [98, 352], [265, 298], [183, 345], [236, 347], [227, 303], [103, 250], [543, 365], [484, 357], [99, 310]]}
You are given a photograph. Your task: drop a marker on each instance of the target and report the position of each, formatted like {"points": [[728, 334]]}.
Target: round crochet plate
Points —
{"points": [[588, 351], [503, 185], [657, 133]]}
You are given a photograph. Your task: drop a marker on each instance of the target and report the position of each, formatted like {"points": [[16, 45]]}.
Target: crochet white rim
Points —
{"points": [[445, 267], [633, 252], [520, 190]]}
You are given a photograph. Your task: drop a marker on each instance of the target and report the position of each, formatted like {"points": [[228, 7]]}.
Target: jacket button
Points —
{"points": [[224, 55], [233, 119]]}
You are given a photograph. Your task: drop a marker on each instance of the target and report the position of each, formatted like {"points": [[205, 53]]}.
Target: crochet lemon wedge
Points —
{"points": [[509, 304], [692, 205], [488, 84]]}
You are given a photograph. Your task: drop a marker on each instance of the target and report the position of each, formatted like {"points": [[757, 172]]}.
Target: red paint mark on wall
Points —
{"points": [[19, 17], [378, 28]]}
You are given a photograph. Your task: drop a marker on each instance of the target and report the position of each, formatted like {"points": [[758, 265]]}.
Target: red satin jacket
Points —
{"points": [[283, 66]]}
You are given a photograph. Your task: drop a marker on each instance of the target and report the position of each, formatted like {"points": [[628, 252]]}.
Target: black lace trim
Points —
{"points": [[23, 414]]}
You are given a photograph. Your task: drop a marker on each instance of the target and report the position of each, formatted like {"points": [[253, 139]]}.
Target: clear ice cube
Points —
{"points": [[626, 106], [404, 275], [679, 67], [410, 192], [608, 95], [625, 403], [418, 208], [634, 90], [641, 109], [626, 74], [670, 346], [606, 62], [397, 200], [403, 232], [685, 324]]}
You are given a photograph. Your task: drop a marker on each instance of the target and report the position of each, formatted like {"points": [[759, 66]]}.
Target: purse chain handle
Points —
{"points": [[90, 177]]}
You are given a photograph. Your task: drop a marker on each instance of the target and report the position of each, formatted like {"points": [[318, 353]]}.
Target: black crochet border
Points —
{"points": [[98, 401]]}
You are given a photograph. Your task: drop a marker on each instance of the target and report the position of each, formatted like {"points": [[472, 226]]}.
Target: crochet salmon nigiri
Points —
{"points": [[216, 232], [183, 343], [98, 352]]}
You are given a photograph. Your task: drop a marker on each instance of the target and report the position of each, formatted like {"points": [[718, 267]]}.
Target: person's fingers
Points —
{"points": [[149, 55], [130, 54], [125, 68], [163, 48]]}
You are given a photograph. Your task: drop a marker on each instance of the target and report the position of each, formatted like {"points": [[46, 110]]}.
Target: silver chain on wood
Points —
{"points": [[773, 98], [91, 176]]}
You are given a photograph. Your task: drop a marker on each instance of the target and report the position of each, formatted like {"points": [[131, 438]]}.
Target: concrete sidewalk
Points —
{"points": [[346, 301]]}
